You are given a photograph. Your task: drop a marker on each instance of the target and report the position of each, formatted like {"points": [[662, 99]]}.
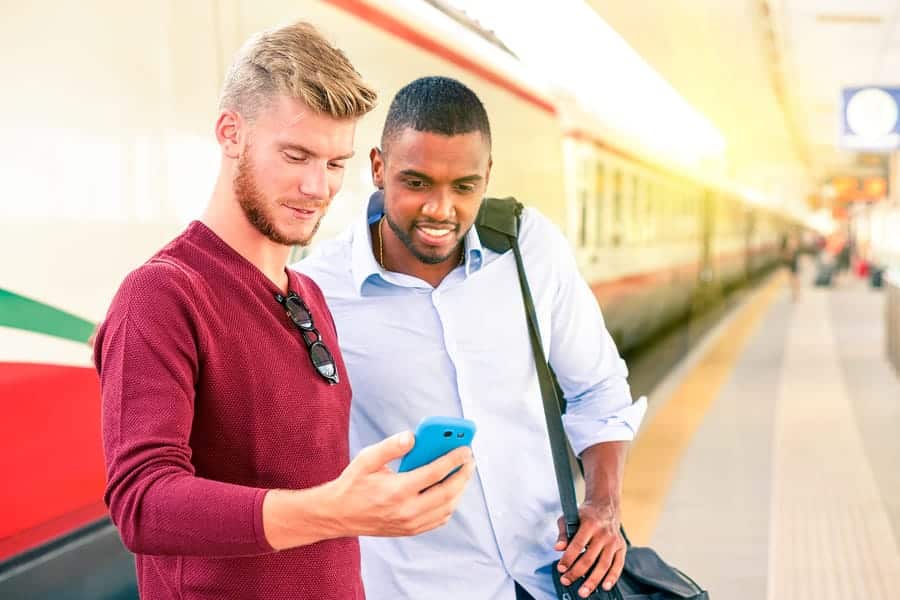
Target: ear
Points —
{"points": [[487, 175], [377, 161], [231, 132]]}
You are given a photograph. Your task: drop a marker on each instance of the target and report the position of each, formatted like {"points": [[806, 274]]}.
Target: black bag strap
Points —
{"points": [[497, 223], [498, 229]]}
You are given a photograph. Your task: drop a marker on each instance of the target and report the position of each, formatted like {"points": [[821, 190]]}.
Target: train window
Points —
{"points": [[582, 217], [642, 217], [677, 212], [616, 237], [730, 217], [668, 213], [632, 214], [697, 201], [599, 201], [721, 209], [582, 203], [695, 215]]}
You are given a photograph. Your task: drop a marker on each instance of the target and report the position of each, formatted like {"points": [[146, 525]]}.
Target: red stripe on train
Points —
{"points": [[615, 289], [610, 291], [382, 20], [53, 461]]}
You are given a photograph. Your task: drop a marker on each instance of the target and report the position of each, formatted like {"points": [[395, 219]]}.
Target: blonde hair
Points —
{"points": [[294, 61]]}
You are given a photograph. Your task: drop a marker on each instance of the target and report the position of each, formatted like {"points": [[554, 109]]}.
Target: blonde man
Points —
{"points": [[225, 397]]}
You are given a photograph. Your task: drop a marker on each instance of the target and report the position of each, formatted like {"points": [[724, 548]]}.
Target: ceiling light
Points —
{"points": [[838, 19]]}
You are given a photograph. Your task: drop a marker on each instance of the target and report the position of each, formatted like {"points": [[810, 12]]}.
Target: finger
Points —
{"points": [[457, 481], [576, 545], [430, 474], [562, 540], [436, 514], [375, 457], [438, 503], [584, 562], [448, 490], [615, 571], [590, 584], [592, 569]]}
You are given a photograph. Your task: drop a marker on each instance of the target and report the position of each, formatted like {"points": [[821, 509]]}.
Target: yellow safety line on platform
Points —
{"points": [[657, 452]]}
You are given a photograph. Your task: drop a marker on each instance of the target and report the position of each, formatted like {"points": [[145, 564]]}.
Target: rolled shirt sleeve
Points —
{"points": [[583, 355]]}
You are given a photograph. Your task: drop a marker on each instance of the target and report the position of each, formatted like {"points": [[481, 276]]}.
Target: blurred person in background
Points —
{"points": [[225, 400], [432, 323], [790, 257]]}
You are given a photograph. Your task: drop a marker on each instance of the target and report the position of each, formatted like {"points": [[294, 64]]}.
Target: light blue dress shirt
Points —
{"points": [[462, 349]]}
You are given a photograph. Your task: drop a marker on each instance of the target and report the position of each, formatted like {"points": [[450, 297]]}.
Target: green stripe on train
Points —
{"points": [[21, 312]]}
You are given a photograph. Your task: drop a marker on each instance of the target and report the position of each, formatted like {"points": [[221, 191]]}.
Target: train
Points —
{"points": [[110, 152]]}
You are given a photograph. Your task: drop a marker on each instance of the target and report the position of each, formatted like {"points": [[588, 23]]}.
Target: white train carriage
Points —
{"points": [[110, 151]]}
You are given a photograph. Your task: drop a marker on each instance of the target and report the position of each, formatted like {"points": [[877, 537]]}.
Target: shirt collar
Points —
{"points": [[364, 264]]}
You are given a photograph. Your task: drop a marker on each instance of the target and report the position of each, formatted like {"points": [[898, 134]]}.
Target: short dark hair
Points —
{"points": [[436, 105]]}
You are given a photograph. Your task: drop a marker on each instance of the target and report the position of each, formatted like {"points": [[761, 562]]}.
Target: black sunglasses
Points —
{"points": [[319, 354]]}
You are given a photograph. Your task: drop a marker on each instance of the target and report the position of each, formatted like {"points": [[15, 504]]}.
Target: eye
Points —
{"points": [[414, 184], [294, 158], [336, 165], [465, 188]]}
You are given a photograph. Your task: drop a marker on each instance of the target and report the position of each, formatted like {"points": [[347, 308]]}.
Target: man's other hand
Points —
{"points": [[598, 548]]}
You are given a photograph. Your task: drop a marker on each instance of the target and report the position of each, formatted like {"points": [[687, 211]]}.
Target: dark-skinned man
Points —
{"points": [[431, 323]]}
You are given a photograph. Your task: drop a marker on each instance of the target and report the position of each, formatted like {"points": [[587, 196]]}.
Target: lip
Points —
{"points": [[302, 214], [431, 240]]}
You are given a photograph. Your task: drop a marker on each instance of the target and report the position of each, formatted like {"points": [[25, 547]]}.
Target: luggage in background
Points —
{"points": [[824, 272]]}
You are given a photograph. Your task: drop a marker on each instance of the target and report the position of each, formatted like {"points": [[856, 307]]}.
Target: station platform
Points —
{"points": [[768, 465]]}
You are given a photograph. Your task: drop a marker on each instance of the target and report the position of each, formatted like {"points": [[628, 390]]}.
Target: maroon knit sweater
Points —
{"points": [[210, 399]]}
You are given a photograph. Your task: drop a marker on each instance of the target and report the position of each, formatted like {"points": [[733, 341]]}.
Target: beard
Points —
{"points": [[254, 205], [429, 258]]}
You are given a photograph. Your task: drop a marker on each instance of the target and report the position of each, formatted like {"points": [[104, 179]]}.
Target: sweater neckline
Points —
{"points": [[200, 229]]}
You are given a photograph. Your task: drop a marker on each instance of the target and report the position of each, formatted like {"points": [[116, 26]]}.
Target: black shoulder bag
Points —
{"points": [[645, 575]]}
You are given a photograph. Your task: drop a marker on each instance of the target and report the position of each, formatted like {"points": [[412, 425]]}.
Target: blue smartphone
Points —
{"points": [[436, 436]]}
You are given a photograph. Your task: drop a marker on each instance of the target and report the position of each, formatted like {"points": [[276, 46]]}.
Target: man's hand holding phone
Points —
{"points": [[369, 498], [377, 501]]}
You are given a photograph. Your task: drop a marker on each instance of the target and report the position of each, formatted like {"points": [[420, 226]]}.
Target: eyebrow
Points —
{"points": [[304, 150], [414, 173]]}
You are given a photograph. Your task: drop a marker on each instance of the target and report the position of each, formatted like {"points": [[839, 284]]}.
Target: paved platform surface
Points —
{"points": [[788, 484]]}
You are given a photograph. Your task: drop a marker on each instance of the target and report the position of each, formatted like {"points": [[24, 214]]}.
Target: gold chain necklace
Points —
{"points": [[462, 255], [380, 244]]}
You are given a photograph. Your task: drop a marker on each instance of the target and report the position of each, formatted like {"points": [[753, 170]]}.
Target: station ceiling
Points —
{"points": [[768, 73]]}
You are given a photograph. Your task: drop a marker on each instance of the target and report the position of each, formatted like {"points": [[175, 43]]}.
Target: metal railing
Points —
{"points": [[892, 314]]}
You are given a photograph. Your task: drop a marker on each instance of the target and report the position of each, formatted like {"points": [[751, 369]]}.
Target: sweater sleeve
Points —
{"points": [[148, 356]]}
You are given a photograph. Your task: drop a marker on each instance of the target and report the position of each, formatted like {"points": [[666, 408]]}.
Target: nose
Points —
{"points": [[439, 206], [314, 181]]}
